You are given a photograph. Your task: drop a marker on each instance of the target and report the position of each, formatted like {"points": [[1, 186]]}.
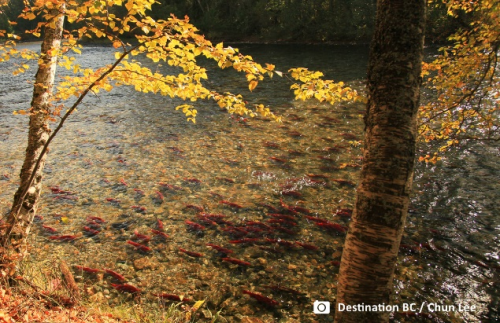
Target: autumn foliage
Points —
{"points": [[464, 79], [173, 41]]}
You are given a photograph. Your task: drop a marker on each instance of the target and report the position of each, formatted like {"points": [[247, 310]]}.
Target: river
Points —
{"points": [[131, 160]]}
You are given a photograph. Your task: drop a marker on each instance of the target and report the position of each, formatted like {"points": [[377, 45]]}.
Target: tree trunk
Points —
{"points": [[372, 244], [26, 198]]}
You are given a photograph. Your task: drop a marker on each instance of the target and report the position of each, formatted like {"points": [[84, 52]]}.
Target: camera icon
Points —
{"points": [[321, 307]]}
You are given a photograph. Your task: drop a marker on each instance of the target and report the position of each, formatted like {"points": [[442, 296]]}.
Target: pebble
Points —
{"points": [[97, 297], [145, 263]]}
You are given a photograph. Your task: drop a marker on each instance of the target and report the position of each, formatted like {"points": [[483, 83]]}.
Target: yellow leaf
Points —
{"points": [[197, 305], [30, 16], [252, 85], [82, 10], [129, 5]]}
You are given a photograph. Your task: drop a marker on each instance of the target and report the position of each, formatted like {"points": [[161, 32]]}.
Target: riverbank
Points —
{"points": [[30, 303], [20, 305]]}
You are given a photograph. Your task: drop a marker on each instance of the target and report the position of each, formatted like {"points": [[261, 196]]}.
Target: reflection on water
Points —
{"points": [[259, 189], [455, 217]]}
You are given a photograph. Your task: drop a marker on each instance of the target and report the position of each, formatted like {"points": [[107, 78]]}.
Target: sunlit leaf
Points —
{"points": [[252, 85], [197, 305]]}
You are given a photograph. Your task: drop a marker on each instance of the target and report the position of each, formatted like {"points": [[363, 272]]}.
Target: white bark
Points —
{"points": [[26, 198]]}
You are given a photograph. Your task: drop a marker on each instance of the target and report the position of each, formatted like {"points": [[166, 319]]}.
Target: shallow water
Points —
{"points": [[121, 149]]}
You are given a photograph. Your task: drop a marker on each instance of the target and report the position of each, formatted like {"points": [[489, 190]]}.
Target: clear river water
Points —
{"points": [[252, 186]]}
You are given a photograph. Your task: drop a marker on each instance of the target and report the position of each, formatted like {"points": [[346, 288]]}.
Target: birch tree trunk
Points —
{"points": [[26, 197], [372, 244]]}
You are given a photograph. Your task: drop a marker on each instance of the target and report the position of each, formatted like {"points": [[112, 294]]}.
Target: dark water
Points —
{"points": [[126, 146]]}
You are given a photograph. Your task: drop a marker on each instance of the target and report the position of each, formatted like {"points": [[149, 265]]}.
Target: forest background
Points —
{"points": [[300, 21]]}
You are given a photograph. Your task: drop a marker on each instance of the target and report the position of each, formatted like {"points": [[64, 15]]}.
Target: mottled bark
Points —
{"points": [[26, 197], [372, 244]]}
